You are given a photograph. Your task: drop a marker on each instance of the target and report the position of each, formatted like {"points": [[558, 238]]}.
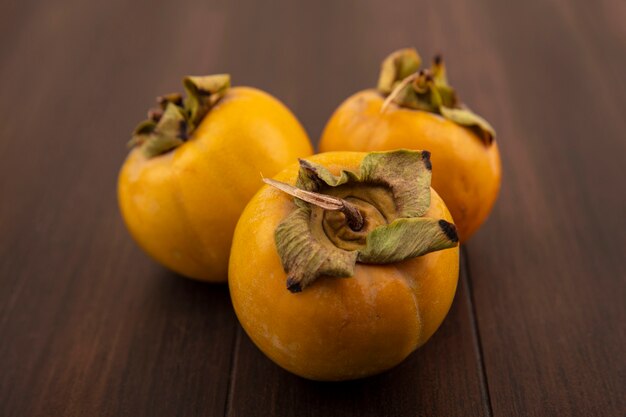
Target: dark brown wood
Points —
{"points": [[548, 269], [90, 326]]}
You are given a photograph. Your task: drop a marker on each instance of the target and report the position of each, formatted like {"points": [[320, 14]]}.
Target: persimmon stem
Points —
{"points": [[354, 218]]}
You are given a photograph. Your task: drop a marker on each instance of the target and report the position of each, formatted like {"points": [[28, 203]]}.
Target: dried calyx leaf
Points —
{"points": [[397, 66], [175, 120], [389, 194], [427, 90]]}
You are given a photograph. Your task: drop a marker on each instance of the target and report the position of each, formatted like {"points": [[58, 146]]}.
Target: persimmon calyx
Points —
{"points": [[175, 120], [427, 90], [391, 193]]}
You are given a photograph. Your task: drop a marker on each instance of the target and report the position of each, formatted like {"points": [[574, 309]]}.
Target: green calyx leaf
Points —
{"points": [[406, 174], [396, 241], [391, 191], [427, 90], [175, 121], [396, 67], [465, 117], [203, 93], [168, 133], [304, 258]]}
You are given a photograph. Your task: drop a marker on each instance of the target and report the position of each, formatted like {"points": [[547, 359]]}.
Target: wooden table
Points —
{"points": [[89, 326]]}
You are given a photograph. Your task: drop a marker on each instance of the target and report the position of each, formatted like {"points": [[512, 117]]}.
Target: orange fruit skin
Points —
{"points": [[337, 328], [182, 207], [466, 172]]}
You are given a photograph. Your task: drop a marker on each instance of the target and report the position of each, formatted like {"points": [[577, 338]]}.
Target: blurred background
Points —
{"points": [[90, 326]]}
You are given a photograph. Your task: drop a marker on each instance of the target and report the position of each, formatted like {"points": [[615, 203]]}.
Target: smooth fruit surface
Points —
{"points": [[338, 328], [182, 207], [466, 171]]}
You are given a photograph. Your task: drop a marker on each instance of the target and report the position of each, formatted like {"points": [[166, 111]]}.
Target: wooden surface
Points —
{"points": [[90, 326]]}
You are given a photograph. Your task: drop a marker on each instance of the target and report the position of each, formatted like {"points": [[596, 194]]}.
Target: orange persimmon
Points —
{"points": [[352, 275], [194, 166], [419, 110]]}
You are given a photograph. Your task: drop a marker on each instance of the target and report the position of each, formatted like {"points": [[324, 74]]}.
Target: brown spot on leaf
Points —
{"points": [[426, 159], [293, 286], [449, 230]]}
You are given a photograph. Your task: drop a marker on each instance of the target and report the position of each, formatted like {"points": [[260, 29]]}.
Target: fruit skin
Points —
{"points": [[466, 171], [337, 328], [182, 207]]}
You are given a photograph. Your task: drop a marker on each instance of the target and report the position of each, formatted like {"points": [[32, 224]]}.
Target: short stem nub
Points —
{"points": [[354, 218]]}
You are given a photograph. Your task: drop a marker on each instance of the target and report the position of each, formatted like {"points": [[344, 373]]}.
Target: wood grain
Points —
{"points": [[88, 324], [547, 270], [91, 326]]}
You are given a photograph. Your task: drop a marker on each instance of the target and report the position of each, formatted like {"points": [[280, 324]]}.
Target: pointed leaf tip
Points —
{"points": [[292, 286], [449, 229]]}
